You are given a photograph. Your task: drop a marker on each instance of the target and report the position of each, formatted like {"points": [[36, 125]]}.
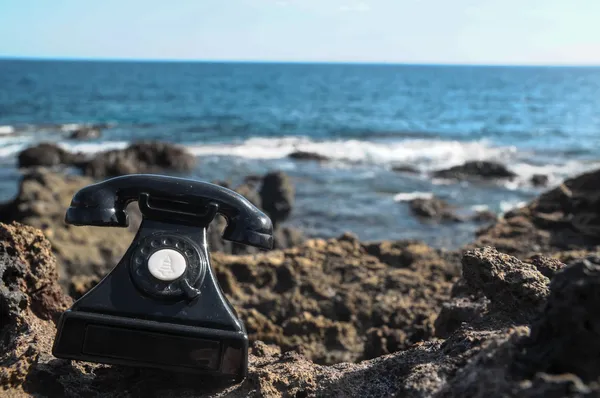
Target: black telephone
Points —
{"points": [[161, 306]]}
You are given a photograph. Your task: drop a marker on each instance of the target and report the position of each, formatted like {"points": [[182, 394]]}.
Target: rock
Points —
{"points": [[141, 157], [566, 339], [548, 266], [565, 218], [404, 168], [30, 301], [331, 294], [286, 237], [326, 294], [515, 289], [277, 196], [45, 154], [433, 209], [539, 180], [484, 216], [42, 201], [457, 312], [301, 155], [85, 133], [476, 169]]}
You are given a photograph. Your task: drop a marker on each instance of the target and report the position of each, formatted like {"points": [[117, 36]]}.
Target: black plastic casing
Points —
{"points": [[186, 325]]}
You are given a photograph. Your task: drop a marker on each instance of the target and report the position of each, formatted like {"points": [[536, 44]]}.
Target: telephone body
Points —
{"points": [[161, 306]]}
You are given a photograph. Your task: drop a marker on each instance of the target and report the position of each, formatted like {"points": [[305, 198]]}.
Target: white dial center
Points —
{"points": [[167, 264]]}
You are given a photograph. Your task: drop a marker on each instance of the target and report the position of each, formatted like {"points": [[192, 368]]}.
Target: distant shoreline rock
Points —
{"points": [[433, 209], [476, 169], [139, 157], [302, 155]]}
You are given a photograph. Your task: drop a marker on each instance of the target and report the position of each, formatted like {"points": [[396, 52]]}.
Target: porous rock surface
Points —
{"points": [[551, 352]]}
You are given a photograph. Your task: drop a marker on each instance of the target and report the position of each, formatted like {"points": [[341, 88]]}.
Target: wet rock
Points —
{"points": [[539, 180], [277, 196], [141, 157], [302, 155], [564, 218], [476, 169], [45, 154], [404, 168], [433, 209], [485, 216], [86, 133]]}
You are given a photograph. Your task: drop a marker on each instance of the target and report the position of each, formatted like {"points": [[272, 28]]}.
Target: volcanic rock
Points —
{"points": [[141, 157], [433, 209], [277, 196], [563, 219], [45, 154], [476, 169], [558, 358], [539, 180], [85, 133], [301, 155]]}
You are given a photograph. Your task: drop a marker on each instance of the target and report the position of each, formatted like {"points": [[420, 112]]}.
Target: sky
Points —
{"points": [[506, 32]]}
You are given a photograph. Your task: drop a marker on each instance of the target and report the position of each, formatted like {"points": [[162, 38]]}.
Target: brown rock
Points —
{"points": [[30, 300], [433, 209], [515, 289], [560, 358], [326, 294], [42, 202]]}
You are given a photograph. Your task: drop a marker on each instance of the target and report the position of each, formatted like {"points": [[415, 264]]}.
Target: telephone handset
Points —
{"points": [[161, 306]]}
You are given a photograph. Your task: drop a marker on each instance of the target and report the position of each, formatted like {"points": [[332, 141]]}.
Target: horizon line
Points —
{"points": [[257, 61]]}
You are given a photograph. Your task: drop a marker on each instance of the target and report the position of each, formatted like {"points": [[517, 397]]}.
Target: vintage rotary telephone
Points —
{"points": [[161, 306]]}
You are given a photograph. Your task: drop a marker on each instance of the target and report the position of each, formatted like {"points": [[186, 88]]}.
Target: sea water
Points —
{"points": [[246, 118]]}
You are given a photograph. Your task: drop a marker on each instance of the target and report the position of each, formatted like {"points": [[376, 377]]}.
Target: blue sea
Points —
{"points": [[245, 118]]}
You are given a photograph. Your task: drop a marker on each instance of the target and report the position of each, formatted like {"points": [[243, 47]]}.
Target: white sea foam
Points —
{"points": [[426, 153], [480, 208], [93, 147], [70, 127], [408, 196], [5, 130], [506, 206]]}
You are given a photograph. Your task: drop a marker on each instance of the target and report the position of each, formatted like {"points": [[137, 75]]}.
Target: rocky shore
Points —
{"points": [[512, 314]]}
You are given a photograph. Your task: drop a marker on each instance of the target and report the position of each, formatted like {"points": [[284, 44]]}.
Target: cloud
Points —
{"points": [[355, 7]]}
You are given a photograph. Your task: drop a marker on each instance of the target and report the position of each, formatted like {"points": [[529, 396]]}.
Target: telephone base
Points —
{"points": [[119, 340]]}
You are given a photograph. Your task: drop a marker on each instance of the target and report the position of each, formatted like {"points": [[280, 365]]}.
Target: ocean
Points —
{"points": [[245, 118]]}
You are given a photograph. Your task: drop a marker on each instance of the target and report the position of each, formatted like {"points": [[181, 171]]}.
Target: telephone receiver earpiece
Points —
{"points": [[171, 199], [161, 306]]}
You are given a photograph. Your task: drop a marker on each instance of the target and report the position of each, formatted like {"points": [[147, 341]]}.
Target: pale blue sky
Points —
{"points": [[408, 31]]}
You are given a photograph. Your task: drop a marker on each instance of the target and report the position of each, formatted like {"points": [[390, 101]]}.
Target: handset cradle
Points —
{"points": [[161, 306]]}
